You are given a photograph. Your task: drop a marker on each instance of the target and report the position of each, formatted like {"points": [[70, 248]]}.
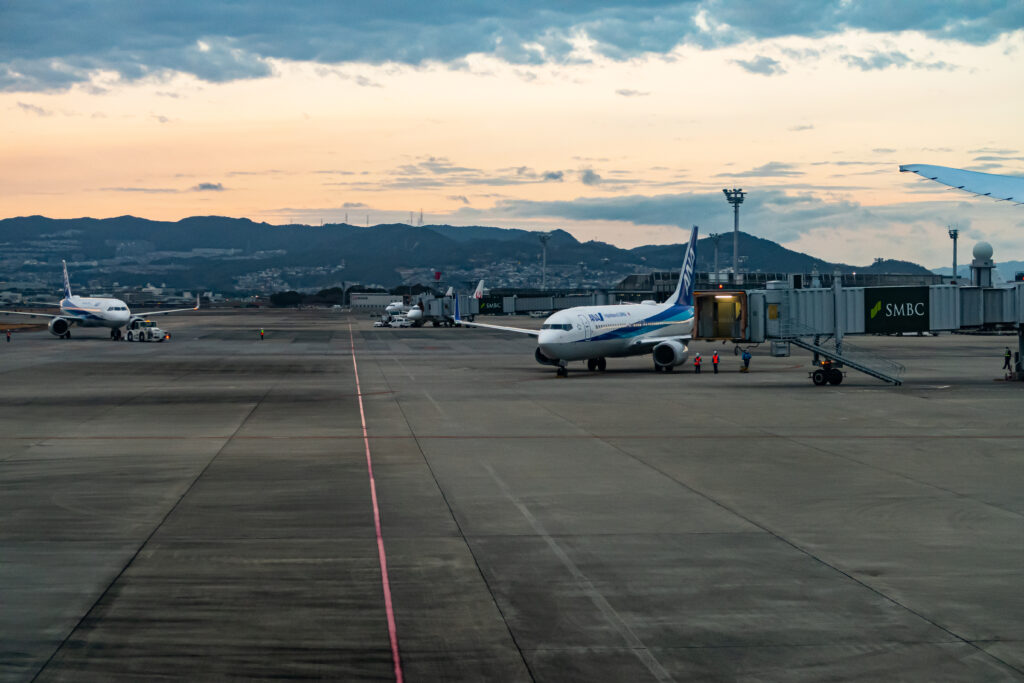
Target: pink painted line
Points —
{"points": [[385, 581]]}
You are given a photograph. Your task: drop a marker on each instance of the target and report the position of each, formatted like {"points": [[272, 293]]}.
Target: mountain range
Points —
{"points": [[226, 253]]}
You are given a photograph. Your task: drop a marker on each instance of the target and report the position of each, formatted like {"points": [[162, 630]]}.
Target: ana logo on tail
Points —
{"points": [[67, 281], [683, 296]]}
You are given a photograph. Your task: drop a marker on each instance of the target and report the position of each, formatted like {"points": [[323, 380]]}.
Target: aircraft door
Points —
{"points": [[585, 323]]}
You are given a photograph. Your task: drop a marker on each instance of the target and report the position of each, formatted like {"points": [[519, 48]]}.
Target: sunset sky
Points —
{"points": [[614, 121]]}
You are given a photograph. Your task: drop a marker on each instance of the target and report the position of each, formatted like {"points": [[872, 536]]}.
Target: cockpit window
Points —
{"points": [[556, 326]]}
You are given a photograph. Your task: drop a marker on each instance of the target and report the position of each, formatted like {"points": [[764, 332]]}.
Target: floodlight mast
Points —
{"points": [[735, 197]]}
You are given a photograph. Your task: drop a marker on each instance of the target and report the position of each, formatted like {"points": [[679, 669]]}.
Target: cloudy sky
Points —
{"points": [[615, 121]]}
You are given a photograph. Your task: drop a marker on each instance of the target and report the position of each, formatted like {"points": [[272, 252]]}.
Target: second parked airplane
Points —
{"points": [[92, 312]]}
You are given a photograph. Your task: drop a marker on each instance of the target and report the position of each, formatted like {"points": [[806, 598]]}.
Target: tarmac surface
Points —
{"points": [[202, 509]]}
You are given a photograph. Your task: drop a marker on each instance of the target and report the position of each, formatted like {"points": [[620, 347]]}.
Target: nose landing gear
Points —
{"points": [[828, 373]]}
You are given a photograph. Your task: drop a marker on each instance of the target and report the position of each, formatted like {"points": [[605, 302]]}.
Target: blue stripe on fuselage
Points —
{"points": [[84, 315], [670, 316]]}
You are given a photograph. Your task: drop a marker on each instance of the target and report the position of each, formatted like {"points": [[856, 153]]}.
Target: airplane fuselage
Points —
{"points": [[588, 332], [94, 312]]}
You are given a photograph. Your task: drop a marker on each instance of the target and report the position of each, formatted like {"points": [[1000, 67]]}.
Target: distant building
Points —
{"points": [[370, 302], [658, 285]]}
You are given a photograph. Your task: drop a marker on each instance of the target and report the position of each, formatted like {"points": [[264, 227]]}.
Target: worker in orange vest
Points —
{"points": [[714, 361], [696, 363]]}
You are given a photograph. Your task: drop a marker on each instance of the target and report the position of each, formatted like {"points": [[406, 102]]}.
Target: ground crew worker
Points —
{"points": [[1006, 355], [696, 363], [9, 338], [746, 360], [714, 361], [261, 334]]}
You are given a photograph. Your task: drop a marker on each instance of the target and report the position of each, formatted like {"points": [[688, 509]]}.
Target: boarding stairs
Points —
{"points": [[846, 354]]}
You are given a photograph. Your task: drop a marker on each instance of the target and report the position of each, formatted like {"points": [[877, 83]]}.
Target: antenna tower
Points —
{"points": [[544, 237]]}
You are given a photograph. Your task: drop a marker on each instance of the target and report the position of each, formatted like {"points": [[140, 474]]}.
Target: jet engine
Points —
{"points": [[669, 354], [542, 359], [58, 326]]}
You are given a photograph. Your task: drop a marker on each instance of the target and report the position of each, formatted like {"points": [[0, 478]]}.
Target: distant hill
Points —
{"points": [[1005, 268], [220, 252], [762, 256]]}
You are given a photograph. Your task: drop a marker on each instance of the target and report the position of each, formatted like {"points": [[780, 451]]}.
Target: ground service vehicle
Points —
{"points": [[145, 330]]}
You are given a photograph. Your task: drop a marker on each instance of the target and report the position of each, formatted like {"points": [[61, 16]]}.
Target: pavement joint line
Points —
{"points": [[381, 555], [631, 639], [148, 538], [752, 646], [907, 477], [462, 533], [509, 437], [957, 637]]}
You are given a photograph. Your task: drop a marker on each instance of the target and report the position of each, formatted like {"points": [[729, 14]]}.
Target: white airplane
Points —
{"points": [[396, 307], [399, 307], [415, 314], [1007, 188], [92, 312], [595, 333]]}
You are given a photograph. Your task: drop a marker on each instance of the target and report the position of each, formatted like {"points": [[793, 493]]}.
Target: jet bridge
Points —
{"points": [[821, 319]]}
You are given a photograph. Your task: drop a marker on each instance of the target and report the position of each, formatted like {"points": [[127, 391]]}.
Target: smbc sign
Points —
{"points": [[492, 304], [895, 309]]}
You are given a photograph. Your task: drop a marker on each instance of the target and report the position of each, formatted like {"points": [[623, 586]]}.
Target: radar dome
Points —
{"points": [[983, 251]]}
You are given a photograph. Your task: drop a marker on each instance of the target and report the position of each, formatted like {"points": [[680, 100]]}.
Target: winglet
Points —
{"points": [[683, 296], [67, 281]]}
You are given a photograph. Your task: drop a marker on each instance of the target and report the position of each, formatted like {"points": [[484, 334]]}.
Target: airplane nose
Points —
{"points": [[546, 340]]}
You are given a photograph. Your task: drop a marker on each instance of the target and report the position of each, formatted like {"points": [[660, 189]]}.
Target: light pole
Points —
{"points": [[544, 237], [714, 240], [954, 234], [735, 197]]}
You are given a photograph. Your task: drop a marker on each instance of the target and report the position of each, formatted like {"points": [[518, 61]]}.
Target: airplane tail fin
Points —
{"points": [[458, 317], [450, 292], [479, 293], [683, 296], [67, 281]]}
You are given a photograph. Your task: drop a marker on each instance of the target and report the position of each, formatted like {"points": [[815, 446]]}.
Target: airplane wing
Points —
{"points": [[39, 315], [503, 328], [520, 330], [150, 314], [1003, 187]]}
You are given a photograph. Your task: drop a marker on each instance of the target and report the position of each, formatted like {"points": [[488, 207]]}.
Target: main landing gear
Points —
{"points": [[115, 334]]}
